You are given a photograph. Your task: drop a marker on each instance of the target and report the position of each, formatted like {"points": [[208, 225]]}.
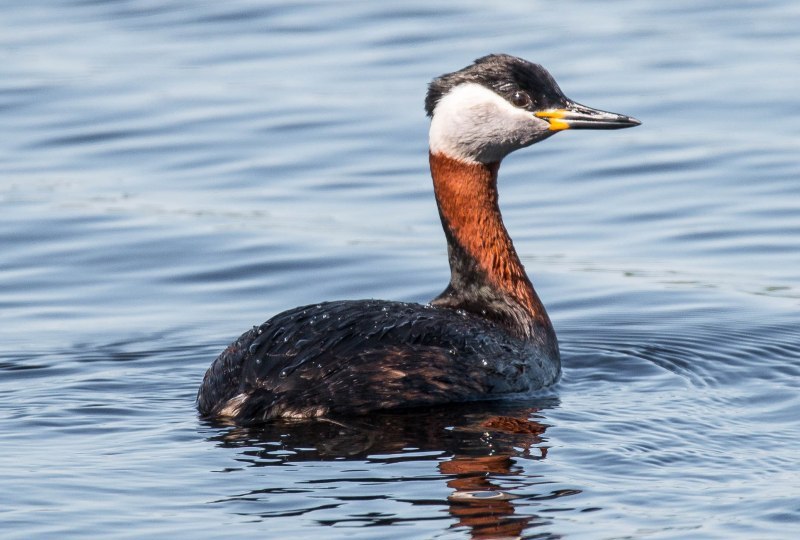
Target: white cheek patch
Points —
{"points": [[472, 123]]}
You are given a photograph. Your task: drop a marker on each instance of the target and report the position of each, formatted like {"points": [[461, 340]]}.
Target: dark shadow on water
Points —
{"points": [[476, 448]]}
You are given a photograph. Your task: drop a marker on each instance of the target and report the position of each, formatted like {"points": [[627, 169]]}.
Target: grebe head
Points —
{"points": [[502, 103]]}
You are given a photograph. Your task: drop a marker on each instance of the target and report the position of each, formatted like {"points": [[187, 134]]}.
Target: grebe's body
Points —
{"points": [[487, 335], [355, 356]]}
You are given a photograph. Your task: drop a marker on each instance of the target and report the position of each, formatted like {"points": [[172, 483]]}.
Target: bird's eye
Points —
{"points": [[520, 99]]}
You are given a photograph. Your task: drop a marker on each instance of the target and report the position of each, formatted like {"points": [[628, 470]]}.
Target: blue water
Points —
{"points": [[175, 172]]}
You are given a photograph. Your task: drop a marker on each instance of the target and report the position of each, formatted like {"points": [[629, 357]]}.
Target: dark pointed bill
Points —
{"points": [[576, 116]]}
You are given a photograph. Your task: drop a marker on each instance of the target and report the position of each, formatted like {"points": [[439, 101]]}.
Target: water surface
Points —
{"points": [[173, 173]]}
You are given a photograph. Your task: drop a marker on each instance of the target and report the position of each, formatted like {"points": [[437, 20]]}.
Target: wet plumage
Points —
{"points": [[351, 357]]}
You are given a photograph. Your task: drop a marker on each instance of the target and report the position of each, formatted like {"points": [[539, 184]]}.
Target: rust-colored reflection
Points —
{"points": [[484, 442], [476, 501]]}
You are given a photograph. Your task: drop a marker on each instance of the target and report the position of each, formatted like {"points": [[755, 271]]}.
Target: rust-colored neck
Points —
{"points": [[485, 269]]}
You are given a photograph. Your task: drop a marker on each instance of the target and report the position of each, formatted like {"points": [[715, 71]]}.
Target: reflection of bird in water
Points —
{"points": [[487, 334], [476, 447], [476, 501], [468, 429]]}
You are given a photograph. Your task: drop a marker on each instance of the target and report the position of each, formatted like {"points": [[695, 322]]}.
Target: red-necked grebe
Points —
{"points": [[486, 335]]}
